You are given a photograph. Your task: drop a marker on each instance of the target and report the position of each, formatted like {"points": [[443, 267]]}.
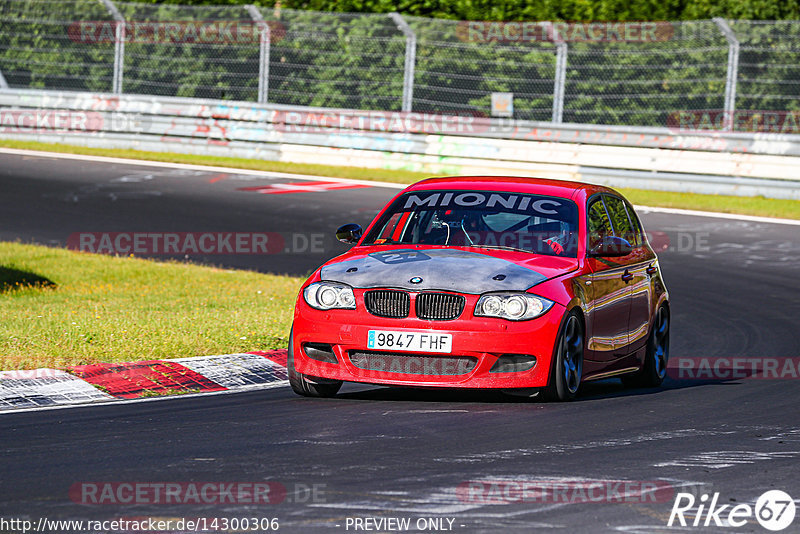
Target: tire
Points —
{"points": [[652, 373], [567, 367], [305, 385]]}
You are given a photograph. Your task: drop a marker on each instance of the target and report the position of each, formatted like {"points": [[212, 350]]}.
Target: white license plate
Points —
{"points": [[410, 341]]}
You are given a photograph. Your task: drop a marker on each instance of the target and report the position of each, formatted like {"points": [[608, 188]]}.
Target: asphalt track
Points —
{"points": [[377, 452]]}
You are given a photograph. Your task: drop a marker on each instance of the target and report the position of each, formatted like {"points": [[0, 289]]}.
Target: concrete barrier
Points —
{"points": [[718, 163]]}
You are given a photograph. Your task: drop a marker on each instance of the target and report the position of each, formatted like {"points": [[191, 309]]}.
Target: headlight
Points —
{"points": [[512, 306], [328, 295]]}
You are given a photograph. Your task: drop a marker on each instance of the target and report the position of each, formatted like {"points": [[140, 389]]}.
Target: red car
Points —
{"points": [[527, 285]]}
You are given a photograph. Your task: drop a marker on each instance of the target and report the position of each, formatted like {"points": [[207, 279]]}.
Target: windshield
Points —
{"points": [[516, 221]]}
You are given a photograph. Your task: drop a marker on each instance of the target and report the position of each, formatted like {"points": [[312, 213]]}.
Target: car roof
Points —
{"points": [[516, 184]]}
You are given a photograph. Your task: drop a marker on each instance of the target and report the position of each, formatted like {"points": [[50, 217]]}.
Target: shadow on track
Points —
{"points": [[13, 279], [591, 391]]}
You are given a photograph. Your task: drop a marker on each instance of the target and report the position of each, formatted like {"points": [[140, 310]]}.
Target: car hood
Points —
{"points": [[445, 269]]}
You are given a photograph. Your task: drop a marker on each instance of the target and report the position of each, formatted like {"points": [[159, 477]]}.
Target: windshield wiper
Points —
{"points": [[388, 241]]}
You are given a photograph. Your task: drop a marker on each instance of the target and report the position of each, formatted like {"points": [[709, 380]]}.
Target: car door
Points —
{"points": [[610, 300], [637, 263], [642, 266]]}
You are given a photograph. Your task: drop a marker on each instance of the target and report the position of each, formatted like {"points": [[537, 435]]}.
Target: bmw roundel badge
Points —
{"points": [[416, 280]]}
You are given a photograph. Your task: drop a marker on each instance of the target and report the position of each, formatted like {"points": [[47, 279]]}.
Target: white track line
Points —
{"points": [[717, 215], [187, 166], [389, 185]]}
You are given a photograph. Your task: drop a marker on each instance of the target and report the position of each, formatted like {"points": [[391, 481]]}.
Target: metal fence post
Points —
{"points": [[3, 82], [733, 70], [264, 44], [560, 82], [410, 60], [119, 46], [560, 77]]}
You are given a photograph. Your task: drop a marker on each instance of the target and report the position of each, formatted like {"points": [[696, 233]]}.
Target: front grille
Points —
{"points": [[387, 303], [439, 306], [413, 364]]}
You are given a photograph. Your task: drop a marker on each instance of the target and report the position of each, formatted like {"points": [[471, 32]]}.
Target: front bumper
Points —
{"points": [[478, 340]]}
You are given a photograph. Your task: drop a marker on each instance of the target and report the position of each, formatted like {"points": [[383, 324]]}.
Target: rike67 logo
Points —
{"points": [[774, 510]]}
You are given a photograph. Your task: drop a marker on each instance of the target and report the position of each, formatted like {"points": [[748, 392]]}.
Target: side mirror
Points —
{"points": [[611, 246], [349, 233]]}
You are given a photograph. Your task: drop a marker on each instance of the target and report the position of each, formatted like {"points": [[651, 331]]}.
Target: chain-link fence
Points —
{"points": [[711, 74], [37, 50]]}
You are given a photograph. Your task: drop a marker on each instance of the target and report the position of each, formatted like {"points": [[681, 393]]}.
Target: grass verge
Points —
{"points": [[759, 206], [62, 308], [764, 207]]}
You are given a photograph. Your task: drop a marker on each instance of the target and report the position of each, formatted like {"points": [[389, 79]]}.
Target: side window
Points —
{"points": [[619, 218], [599, 225], [638, 238]]}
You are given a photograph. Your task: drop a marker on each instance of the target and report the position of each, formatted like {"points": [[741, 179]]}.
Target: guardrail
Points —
{"points": [[651, 158]]}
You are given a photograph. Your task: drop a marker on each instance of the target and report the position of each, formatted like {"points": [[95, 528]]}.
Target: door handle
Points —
{"points": [[627, 277], [651, 270]]}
